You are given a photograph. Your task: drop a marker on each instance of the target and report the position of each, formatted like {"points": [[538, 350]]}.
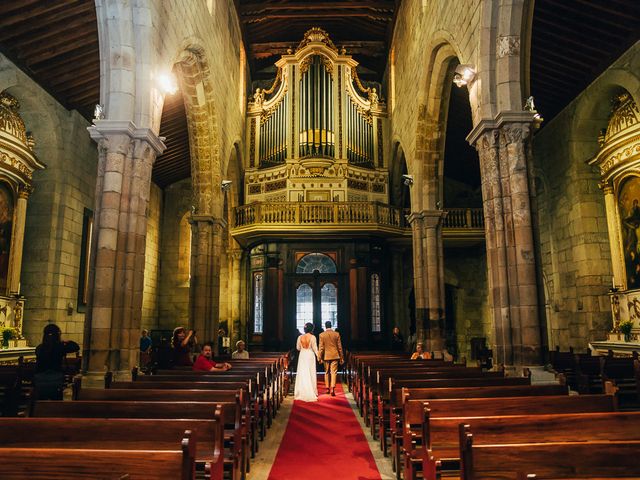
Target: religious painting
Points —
{"points": [[6, 227], [629, 208]]}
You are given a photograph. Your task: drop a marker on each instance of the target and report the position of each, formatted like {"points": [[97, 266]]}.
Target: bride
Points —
{"points": [[306, 381]]}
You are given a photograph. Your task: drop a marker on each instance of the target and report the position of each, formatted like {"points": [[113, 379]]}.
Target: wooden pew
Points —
{"points": [[119, 434], [624, 373], [94, 464], [399, 396], [155, 410], [441, 435], [178, 395], [398, 390], [593, 459], [383, 416]]}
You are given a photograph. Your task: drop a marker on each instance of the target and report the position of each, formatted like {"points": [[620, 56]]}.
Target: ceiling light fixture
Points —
{"points": [[168, 83]]}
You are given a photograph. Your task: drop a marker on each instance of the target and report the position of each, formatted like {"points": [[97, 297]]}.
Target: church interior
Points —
{"points": [[456, 176]]}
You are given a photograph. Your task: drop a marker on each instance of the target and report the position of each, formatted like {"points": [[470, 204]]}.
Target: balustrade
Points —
{"points": [[341, 213]]}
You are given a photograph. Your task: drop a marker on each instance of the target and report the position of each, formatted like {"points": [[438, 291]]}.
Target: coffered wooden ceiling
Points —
{"points": [[56, 43]]}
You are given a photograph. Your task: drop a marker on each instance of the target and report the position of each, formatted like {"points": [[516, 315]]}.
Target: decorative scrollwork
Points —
{"points": [[316, 34]]}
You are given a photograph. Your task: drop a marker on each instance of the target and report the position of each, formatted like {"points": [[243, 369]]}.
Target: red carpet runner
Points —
{"points": [[324, 440]]}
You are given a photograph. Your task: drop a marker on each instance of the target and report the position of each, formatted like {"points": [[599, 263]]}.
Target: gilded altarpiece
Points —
{"points": [[17, 165], [619, 164]]}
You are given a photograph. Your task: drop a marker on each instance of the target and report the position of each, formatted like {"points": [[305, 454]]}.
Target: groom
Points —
{"points": [[330, 352]]}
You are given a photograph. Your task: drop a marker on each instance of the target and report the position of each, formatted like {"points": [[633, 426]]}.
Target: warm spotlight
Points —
{"points": [[168, 83], [464, 75]]}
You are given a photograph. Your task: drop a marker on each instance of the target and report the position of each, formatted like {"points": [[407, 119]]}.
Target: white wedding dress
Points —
{"points": [[306, 388]]}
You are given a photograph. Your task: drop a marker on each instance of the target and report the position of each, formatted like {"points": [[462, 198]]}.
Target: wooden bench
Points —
{"points": [[592, 459], [96, 464], [441, 435], [232, 418], [119, 434], [400, 396]]}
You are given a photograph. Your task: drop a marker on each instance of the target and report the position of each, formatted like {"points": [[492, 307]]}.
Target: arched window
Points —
{"points": [[258, 297], [316, 261], [304, 306], [376, 313], [329, 303]]}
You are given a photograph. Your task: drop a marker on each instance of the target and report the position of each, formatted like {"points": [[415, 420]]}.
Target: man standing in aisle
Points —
{"points": [[330, 352]]}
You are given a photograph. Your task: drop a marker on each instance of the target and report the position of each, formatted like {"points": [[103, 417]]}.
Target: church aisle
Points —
{"points": [[324, 440]]}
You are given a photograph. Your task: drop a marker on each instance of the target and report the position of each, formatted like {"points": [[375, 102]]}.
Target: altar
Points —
{"points": [[619, 164]]}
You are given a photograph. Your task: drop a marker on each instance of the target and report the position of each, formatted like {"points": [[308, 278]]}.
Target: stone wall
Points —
{"points": [[420, 25], [53, 232], [152, 259], [466, 276], [573, 233], [173, 305]]}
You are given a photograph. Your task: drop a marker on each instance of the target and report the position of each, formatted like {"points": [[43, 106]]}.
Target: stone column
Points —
{"points": [[501, 146], [17, 243], [234, 287], [615, 243], [204, 292], [428, 271], [112, 324]]}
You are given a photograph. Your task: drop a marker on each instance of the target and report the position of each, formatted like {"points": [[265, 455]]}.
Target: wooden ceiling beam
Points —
{"points": [[306, 6], [69, 48], [280, 48], [53, 13], [9, 7], [373, 16], [80, 29]]}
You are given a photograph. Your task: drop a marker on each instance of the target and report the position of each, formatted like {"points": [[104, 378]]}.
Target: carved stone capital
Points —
{"points": [[503, 119], [508, 46], [111, 129]]}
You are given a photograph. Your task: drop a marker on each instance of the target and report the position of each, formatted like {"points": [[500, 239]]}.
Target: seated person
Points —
{"points": [[240, 353], [419, 354], [205, 363], [446, 356]]}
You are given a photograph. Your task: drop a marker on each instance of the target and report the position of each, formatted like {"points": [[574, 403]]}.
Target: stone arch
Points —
{"points": [[593, 108], [400, 193], [195, 81], [431, 125]]}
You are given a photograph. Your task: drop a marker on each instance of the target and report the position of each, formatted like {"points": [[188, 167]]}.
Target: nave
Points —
{"points": [[391, 418]]}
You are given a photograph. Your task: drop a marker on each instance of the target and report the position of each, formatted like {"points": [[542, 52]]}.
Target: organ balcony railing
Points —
{"points": [[344, 218]]}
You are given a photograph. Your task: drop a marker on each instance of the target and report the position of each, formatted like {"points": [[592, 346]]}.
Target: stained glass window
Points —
{"points": [[258, 297], [304, 306], [316, 261], [376, 314], [329, 302]]}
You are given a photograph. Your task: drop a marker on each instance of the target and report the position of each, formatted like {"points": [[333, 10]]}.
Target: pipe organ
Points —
{"points": [[317, 134]]}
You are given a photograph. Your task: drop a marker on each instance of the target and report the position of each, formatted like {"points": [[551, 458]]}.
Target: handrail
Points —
{"points": [[344, 213]]}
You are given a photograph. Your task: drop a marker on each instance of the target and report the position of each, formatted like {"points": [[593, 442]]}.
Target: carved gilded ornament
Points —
{"points": [[620, 144], [314, 35], [16, 144]]}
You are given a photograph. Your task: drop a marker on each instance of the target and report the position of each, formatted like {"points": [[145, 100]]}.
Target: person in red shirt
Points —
{"points": [[205, 363]]}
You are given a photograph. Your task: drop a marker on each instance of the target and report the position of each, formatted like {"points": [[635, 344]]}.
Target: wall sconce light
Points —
{"points": [[226, 185], [464, 75], [407, 180], [167, 83]]}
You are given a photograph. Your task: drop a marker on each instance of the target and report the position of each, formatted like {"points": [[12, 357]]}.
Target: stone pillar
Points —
{"points": [[398, 306], [615, 243], [204, 293], [112, 325], [234, 287], [502, 149], [428, 272], [17, 243]]}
